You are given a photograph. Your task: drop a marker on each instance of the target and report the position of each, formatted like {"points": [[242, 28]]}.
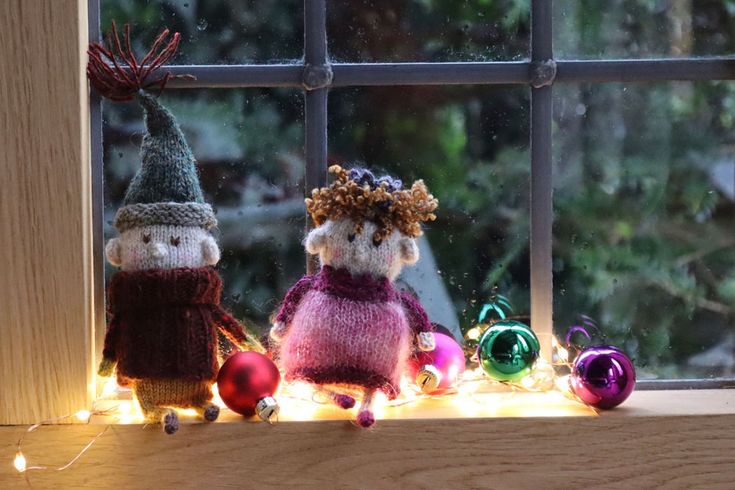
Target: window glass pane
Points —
{"points": [[470, 145], [428, 30], [643, 28], [249, 147], [215, 31], [645, 221]]}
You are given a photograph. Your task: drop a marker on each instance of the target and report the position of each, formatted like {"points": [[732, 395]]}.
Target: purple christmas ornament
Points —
{"points": [[602, 376]]}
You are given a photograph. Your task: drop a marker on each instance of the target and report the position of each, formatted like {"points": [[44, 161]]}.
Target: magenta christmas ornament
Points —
{"points": [[602, 376], [438, 370]]}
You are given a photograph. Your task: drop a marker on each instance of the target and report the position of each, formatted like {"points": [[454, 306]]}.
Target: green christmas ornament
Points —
{"points": [[508, 350]]}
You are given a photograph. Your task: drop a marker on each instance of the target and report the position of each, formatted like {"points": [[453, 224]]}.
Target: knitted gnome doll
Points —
{"points": [[346, 329], [164, 311]]}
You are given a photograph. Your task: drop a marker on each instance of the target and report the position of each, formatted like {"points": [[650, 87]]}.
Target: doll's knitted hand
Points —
{"points": [[278, 331], [106, 368], [426, 341]]}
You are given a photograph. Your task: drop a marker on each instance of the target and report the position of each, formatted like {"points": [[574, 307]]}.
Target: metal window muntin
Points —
{"points": [[329, 75]]}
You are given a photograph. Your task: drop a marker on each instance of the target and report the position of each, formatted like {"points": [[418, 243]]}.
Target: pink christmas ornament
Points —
{"points": [[438, 370]]}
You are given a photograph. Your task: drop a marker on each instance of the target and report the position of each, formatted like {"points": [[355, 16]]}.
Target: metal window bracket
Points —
{"points": [[317, 76], [543, 73]]}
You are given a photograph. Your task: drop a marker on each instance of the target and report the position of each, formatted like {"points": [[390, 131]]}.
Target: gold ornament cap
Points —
{"points": [[428, 378]]}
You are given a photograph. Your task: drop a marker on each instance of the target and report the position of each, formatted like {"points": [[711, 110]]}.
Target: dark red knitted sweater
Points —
{"points": [[163, 324]]}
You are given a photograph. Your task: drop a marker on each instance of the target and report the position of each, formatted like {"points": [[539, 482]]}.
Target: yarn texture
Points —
{"points": [[350, 330], [166, 189], [164, 303], [163, 247], [184, 214], [163, 324], [347, 327]]}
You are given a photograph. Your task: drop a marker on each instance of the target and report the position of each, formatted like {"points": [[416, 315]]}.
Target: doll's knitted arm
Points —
{"points": [[289, 306], [419, 322], [109, 353], [236, 331]]}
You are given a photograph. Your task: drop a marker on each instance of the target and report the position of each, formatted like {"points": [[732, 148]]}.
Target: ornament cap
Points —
{"points": [[267, 408], [428, 378]]}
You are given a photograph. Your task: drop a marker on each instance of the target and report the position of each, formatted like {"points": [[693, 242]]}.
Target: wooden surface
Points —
{"points": [[45, 220], [657, 440]]}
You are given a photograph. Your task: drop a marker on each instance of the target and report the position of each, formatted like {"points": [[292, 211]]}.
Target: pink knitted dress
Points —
{"points": [[349, 330]]}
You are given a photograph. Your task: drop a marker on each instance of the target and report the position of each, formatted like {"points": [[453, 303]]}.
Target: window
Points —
{"points": [[468, 95]]}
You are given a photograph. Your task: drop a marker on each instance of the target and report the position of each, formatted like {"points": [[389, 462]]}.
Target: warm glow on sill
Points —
{"points": [[475, 397]]}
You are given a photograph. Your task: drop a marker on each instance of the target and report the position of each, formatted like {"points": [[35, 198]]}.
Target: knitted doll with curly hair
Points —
{"points": [[163, 305], [346, 329]]}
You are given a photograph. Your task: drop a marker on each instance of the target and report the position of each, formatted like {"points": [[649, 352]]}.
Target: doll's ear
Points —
{"points": [[409, 250], [210, 251], [316, 240], [112, 251]]}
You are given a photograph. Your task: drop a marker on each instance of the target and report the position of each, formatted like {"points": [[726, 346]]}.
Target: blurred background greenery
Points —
{"points": [[644, 173]]}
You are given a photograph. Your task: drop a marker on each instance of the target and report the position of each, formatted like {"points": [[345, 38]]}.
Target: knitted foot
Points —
{"points": [[170, 422], [210, 413], [365, 419], [344, 401]]}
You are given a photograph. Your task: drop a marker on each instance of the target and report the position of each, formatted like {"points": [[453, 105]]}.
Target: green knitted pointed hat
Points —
{"points": [[166, 189]]}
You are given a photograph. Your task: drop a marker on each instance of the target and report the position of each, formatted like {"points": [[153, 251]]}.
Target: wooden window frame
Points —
{"points": [[47, 308]]}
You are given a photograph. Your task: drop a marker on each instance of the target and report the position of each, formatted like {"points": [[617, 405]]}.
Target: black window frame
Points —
{"points": [[315, 75]]}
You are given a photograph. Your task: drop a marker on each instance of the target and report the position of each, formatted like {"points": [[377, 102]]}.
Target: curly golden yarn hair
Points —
{"points": [[357, 195]]}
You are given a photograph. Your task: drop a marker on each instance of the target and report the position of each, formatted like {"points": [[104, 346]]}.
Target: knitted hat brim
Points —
{"points": [[165, 213]]}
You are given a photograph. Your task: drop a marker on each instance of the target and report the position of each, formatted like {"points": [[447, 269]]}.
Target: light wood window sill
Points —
{"points": [[672, 439]]}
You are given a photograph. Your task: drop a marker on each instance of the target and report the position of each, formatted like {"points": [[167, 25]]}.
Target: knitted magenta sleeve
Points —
{"points": [[417, 318], [111, 339], [292, 300]]}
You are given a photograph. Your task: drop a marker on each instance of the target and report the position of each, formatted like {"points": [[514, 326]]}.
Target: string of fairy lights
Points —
{"points": [[503, 357]]}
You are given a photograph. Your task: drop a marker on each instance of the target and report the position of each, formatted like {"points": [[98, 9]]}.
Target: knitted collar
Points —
{"points": [[161, 287], [363, 287]]}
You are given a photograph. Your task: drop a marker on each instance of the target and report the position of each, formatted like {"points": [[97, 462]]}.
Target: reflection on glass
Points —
{"points": [[215, 31], [420, 30], [642, 28], [249, 148], [645, 221], [470, 145]]}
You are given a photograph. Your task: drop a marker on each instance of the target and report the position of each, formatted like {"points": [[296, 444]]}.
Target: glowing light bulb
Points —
{"points": [[110, 388], [20, 462], [473, 333], [83, 415], [562, 383], [562, 353]]}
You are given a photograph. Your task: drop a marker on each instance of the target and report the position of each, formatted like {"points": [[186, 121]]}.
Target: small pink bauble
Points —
{"points": [[447, 358]]}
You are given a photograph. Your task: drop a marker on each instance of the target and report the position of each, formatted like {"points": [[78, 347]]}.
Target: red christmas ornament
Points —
{"points": [[247, 382]]}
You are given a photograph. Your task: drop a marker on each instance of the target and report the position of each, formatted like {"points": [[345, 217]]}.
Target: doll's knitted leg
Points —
{"points": [[156, 414], [365, 417], [201, 401], [339, 399]]}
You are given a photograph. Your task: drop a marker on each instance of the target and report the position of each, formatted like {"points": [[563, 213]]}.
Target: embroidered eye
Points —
{"points": [[175, 241], [351, 237], [146, 237], [377, 242]]}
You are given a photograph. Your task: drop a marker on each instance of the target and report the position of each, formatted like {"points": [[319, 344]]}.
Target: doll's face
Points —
{"points": [[162, 247], [340, 247]]}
